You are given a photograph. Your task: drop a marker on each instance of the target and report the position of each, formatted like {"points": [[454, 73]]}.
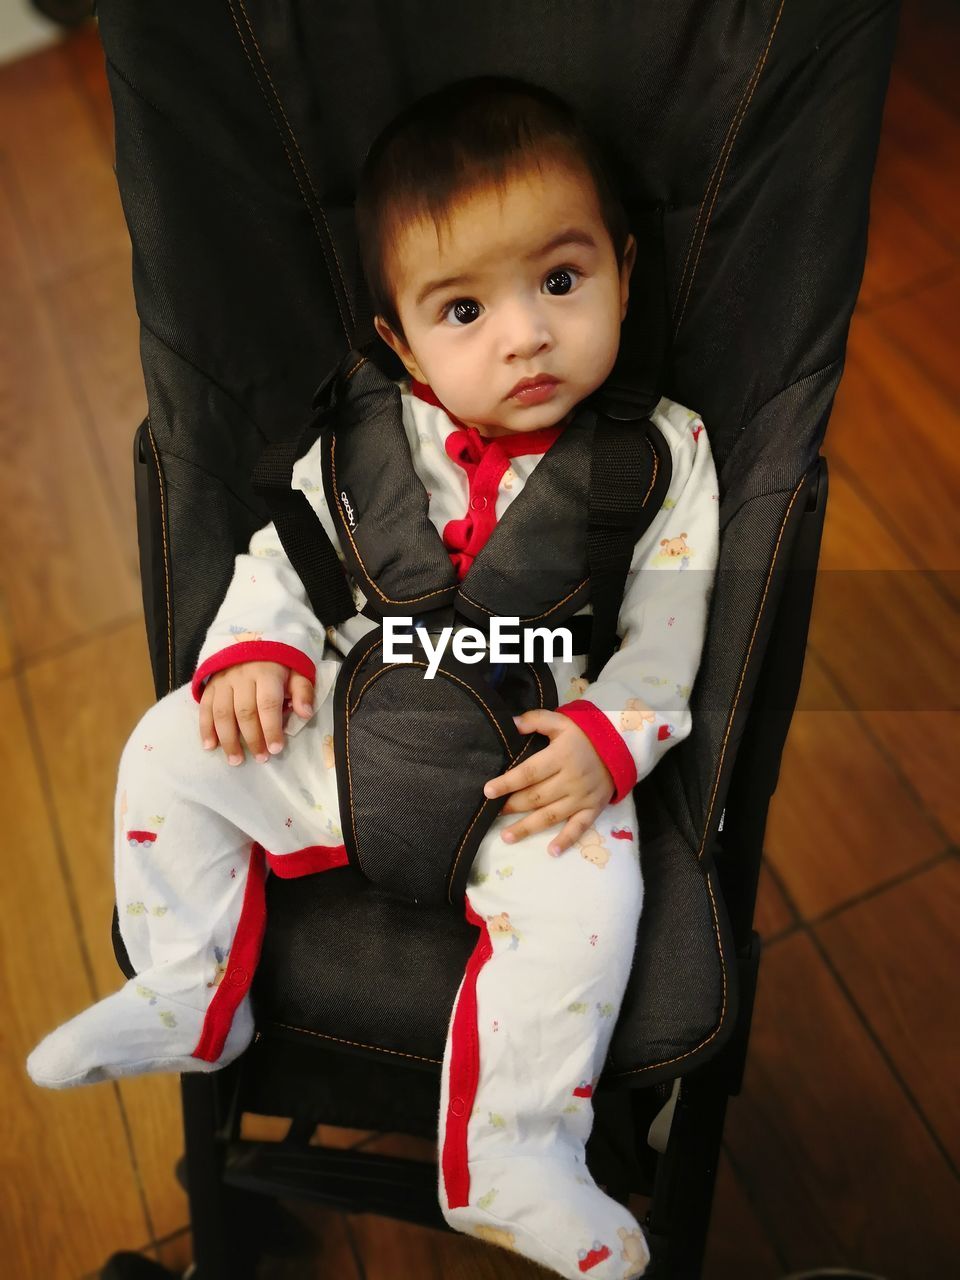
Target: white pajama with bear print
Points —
{"points": [[534, 1014]]}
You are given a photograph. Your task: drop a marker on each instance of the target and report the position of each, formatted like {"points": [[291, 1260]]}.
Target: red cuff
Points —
{"points": [[607, 743], [253, 651]]}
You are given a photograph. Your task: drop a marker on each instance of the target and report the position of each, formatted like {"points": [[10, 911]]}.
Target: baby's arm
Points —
{"points": [[265, 616], [638, 707]]}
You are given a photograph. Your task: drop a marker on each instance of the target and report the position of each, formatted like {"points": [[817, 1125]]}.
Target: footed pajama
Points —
{"points": [[528, 1034]]}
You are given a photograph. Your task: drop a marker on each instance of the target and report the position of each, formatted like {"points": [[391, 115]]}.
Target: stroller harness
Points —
{"points": [[566, 540]]}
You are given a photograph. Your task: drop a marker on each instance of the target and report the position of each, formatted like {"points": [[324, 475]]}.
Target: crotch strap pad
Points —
{"points": [[412, 756]]}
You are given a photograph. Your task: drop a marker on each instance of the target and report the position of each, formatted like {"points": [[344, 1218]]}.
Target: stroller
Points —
{"points": [[745, 135]]}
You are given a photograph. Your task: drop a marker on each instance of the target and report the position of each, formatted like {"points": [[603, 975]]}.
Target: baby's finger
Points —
{"points": [[536, 769], [248, 716], [301, 695], [226, 722], [208, 735], [535, 796], [571, 833], [270, 708], [539, 820]]}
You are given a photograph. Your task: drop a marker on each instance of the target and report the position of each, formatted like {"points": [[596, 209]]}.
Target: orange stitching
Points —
{"points": [[713, 905], [166, 555], [378, 1048], [306, 170], [363, 567], [755, 78], [286, 152], [479, 698], [746, 663], [527, 746], [534, 617], [693, 234], [652, 1066]]}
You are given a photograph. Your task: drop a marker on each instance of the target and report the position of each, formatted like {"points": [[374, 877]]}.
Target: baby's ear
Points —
{"points": [[398, 347]]}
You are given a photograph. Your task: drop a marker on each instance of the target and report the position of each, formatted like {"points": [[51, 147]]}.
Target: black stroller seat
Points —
{"points": [[745, 136]]}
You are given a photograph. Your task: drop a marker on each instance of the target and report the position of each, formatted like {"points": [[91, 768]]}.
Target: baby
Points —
{"points": [[505, 322]]}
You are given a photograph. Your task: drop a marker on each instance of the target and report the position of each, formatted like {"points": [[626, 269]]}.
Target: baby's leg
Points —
{"points": [[528, 1039], [194, 837]]}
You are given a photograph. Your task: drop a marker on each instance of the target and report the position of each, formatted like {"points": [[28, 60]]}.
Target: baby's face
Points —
{"points": [[520, 308]]}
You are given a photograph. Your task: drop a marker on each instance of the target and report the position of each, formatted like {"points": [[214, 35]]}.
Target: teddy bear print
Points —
{"points": [[500, 924], [487, 1200], [329, 759], [635, 715], [592, 848], [508, 478], [633, 1246], [265, 553], [577, 688], [672, 550], [240, 636]]}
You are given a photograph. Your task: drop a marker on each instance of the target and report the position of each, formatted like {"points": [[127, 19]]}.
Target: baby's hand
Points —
{"points": [[567, 779], [249, 698]]}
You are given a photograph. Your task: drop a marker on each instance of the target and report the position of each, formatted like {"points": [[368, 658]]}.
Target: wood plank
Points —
{"points": [[83, 54], [834, 1157], [94, 315], [902, 253], [111, 687], [925, 746], [737, 1242], [773, 914], [7, 656], [331, 1254], [390, 1248], [842, 821], [62, 570], [70, 1187], [66, 190], [897, 954], [927, 48], [917, 155], [924, 327], [897, 433]]}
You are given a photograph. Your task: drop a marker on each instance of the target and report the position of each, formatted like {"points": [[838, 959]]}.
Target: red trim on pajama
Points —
{"points": [[464, 1070], [244, 956], [607, 743], [252, 651]]}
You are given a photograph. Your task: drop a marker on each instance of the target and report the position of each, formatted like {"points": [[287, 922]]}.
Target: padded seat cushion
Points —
{"points": [[344, 961]]}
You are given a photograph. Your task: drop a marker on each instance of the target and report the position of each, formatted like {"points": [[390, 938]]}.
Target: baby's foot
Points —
{"points": [[549, 1208], [134, 1031]]}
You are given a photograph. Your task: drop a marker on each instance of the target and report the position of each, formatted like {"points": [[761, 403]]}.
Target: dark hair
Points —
{"points": [[470, 134]]}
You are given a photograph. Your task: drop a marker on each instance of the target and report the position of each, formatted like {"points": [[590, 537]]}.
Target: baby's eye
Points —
{"points": [[560, 274], [460, 307]]}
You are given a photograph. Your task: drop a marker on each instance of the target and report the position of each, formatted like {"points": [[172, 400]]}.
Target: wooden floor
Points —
{"points": [[845, 1143]]}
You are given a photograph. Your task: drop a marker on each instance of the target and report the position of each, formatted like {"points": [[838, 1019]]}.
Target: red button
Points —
{"points": [[486, 952], [457, 1107], [239, 977], [478, 504]]}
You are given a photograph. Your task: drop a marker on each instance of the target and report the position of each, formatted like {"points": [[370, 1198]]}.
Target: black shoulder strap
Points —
{"points": [[630, 471], [299, 528]]}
